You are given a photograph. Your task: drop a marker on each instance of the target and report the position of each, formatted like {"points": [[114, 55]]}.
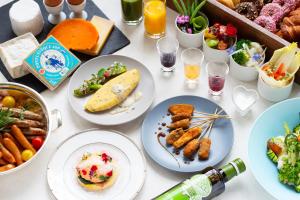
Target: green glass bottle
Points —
{"points": [[207, 184]]}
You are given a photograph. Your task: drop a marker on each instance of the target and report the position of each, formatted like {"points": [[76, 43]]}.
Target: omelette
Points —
{"points": [[114, 91]]}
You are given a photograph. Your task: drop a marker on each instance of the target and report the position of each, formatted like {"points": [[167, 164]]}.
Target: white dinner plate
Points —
{"points": [[84, 72], [130, 165]]}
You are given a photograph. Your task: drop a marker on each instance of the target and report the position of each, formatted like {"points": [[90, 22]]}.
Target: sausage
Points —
{"points": [[1, 154], [37, 131], [17, 133], [16, 112], [12, 147], [174, 136], [187, 136], [204, 150], [26, 123], [184, 123], [7, 155], [8, 135], [2, 162], [6, 167], [191, 148], [180, 116]]}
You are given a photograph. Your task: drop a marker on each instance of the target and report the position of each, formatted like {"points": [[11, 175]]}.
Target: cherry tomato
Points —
{"points": [[37, 142], [9, 102], [26, 154]]}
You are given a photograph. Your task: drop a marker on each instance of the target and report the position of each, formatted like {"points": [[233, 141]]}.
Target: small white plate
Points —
{"points": [[84, 72], [131, 169]]}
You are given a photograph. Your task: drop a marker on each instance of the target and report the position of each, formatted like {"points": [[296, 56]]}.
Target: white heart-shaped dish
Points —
{"points": [[244, 98]]}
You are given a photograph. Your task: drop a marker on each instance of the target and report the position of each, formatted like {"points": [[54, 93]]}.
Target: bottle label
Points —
{"points": [[197, 187]]}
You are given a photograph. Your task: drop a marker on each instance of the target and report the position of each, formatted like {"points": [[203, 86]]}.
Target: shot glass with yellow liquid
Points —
{"points": [[155, 18], [192, 59]]}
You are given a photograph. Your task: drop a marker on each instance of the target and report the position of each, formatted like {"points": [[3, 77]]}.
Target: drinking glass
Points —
{"points": [[217, 72], [192, 59], [155, 18], [167, 48], [132, 11]]}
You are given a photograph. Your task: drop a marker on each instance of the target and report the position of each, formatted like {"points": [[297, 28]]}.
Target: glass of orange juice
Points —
{"points": [[192, 59], [155, 18]]}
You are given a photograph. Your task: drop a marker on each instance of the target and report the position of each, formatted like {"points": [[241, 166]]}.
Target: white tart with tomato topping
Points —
{"points": [[96, 171]]}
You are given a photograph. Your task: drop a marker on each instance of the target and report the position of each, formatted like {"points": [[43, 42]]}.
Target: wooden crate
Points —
{"points": [[217, 12]]}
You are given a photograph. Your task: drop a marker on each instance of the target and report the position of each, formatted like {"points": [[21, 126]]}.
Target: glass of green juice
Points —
{"points": [[132, 11]]}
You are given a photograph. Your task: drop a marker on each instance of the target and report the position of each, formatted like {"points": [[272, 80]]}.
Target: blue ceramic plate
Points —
{"points": [[270, 124], [221, 136]]}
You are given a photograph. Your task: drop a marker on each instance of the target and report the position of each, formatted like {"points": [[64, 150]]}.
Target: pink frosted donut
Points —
{"points": [[287, 5], [267, 22], [272, 10]]}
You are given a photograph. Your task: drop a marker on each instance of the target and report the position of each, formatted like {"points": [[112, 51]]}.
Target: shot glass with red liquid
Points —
{"points": [[167, 48], [217, 72]]}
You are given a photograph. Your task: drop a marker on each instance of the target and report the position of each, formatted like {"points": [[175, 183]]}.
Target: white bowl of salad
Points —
{"points": [[274, 150], [276, 77], [245, 57]]}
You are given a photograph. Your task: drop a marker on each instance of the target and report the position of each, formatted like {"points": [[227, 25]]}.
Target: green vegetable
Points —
{"points": [[103, 75], [272, 156], [84, 181], [189, 9], [199, 23], [241, 57], [241, 42], [212, 42], [297, 129], [197, 9], [5, 118], [289, 174], [185, 12], [103, 178], [287, 128]]}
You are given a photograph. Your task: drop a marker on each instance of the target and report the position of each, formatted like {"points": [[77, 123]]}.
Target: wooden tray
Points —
{"points": [[217, 12]]}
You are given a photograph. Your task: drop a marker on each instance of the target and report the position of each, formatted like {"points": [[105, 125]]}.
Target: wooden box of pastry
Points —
{"points": [[217, 12]]}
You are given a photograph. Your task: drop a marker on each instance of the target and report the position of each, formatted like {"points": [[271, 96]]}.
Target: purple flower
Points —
{"points": [[189, 30], [180, 20], [231, 50], [186, 18], [256, 57]]}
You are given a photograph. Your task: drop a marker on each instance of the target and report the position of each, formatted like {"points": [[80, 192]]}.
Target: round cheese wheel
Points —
{"points": [[76, 34], [23, 22]]}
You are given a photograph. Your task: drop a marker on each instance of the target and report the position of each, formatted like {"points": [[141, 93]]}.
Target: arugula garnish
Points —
{"points": [[5, 118]]}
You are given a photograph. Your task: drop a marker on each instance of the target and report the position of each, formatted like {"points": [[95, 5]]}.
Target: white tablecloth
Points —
{"points": [[30, 183]]}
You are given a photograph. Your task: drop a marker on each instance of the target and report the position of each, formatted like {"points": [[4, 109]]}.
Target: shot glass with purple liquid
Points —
{"points": [[217, 72], [167, 48]]}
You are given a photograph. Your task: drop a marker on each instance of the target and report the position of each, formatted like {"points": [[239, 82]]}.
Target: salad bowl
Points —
{"points": [[270, 124]]}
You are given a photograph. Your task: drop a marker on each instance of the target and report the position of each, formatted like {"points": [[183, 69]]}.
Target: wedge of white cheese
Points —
{"points": [[13, 53]]}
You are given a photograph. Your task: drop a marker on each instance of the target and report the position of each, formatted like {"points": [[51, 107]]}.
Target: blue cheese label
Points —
{"points": [[51, 62]]}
